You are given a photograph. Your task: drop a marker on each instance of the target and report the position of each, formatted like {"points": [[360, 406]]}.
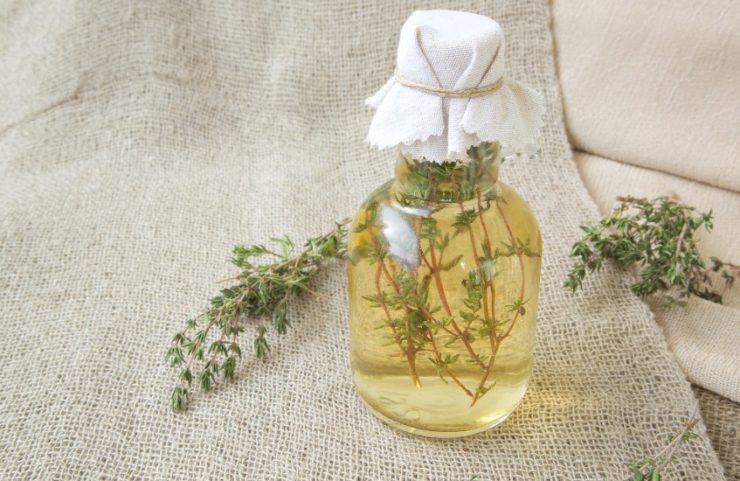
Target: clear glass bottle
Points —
{"points": [[443, 285]]}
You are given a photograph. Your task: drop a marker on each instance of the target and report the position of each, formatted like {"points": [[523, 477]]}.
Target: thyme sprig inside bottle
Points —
{"points": [[443, 285]]}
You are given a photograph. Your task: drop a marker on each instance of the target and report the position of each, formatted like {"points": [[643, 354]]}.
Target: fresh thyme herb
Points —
{"points": [[449, 181], [265, 286], [658, 236], [653, 469]]}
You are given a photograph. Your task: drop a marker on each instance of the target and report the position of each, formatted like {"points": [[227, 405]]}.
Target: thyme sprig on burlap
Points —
{"points": [[659, 237], [654, 468], [207, 347]]}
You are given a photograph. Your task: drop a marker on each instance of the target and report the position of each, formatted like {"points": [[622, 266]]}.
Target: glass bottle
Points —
{"points": [[443, 285]]}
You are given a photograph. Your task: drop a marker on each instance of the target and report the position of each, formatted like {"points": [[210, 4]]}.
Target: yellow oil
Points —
{"points": [[413, 395]]}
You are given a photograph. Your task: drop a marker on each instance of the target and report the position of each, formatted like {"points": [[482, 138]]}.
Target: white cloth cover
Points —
{"points": [[452, 50]]}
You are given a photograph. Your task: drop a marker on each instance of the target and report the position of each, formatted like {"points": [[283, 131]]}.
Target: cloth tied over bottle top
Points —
{"points": [[449, 91]]}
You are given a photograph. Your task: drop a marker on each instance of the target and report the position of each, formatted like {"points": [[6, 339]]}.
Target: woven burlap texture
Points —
{"points": [[722, 418], [140, 140]]}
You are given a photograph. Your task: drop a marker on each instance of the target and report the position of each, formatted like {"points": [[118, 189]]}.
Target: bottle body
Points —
{"points": [[443, 286]]}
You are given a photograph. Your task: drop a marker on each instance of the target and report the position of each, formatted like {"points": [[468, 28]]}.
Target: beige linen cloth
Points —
{"points": [[652, 104], [140, 140]]}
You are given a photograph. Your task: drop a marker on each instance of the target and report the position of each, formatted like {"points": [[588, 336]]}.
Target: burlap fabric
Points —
{"points": [[722, 417], [704, 336], [671, 129], [673, 108], [140, 140]]}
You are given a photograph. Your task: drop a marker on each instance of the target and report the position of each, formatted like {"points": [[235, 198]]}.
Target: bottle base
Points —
{"points": [[431, 433]]}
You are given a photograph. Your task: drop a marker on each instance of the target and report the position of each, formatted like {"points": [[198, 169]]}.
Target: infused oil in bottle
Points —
{"points": [[443, 282], [445, 259]]}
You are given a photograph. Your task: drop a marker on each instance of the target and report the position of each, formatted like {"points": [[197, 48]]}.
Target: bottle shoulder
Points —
{"points": [[501, 207], [502, 194], [520, 215]]}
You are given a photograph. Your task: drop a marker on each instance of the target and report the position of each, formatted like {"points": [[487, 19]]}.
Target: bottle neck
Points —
{"points": [[421, 181]]}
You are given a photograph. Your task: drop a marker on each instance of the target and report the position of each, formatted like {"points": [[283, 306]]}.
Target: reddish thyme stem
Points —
{"points": [[486, 311], [396, 337], [496, 341], [434, 268], [410, 350], [449, 371], [489, 245], [521, 269]]}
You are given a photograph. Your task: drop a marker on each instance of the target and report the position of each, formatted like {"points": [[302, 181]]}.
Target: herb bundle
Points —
{"points": [[659, 237], [268, 281]]}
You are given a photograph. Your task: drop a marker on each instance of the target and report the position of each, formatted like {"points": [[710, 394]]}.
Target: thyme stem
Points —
{"points": [[495, 345], [434, 268], [410, 350]]}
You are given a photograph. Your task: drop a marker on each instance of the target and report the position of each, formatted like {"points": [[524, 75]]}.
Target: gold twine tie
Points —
{"points": [[442, 92]]}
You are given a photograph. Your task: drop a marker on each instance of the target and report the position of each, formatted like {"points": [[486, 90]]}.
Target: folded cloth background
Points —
{"points": [[666, 122], [140, 140]]}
